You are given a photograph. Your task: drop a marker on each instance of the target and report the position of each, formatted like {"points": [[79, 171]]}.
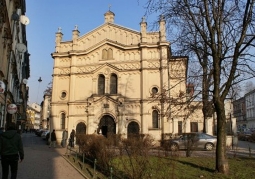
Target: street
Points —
{"points": [[43, 162]]}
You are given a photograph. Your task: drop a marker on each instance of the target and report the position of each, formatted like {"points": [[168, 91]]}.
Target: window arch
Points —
{"points": [[109, 54], [63, 121], [113, 84], [101, 84], [104, 54], [155, 119]]}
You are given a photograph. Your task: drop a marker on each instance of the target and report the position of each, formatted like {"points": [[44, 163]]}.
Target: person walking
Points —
{"points": [[53, 139], [11, 150], [72, 135]]}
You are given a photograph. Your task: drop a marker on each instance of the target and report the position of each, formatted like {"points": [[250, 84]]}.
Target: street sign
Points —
{"points": [[12, 108], [2, 87]]}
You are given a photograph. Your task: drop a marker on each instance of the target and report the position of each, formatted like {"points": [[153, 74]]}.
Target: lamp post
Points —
{"points": [[39, 80]]}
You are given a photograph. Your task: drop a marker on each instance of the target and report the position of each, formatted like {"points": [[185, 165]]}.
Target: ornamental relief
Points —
{"points": [[64, 71], [84, 76], [129, 73], [154, 64], [80, 109], [64, 77], [128, 66], [153, 54], [86, 69], [135, 108], [65, 61], [153, 71]]}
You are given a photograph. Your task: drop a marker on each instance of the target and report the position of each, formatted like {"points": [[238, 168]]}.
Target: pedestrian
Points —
{"points": [[53, 139], [72, 135], [11, 149], [64, 138]]}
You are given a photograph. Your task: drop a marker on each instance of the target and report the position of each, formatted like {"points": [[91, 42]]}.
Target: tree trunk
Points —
{"points": [[221, 157]]}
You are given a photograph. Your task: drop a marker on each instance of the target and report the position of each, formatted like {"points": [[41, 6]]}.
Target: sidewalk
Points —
{"points": [[243, 148], [43, 162]]}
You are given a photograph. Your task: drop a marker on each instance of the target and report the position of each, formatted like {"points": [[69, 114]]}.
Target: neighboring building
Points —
{"points": [[45, 112], [250, 109], [33, 117], [240, 113], [14, 60], [117, 80]]}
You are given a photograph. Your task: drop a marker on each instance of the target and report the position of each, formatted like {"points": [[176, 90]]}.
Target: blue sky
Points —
{"points": [[46, 16]]}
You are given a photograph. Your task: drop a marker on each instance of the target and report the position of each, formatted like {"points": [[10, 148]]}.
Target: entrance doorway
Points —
{"points": [[107, 125], [133, 129], [81, 128]]}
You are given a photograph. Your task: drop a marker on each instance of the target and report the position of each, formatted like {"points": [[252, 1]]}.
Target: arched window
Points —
{"points": [[63, 121], [109, 54], [104, 54], [113, 84], [155, 119], [101, 84]]}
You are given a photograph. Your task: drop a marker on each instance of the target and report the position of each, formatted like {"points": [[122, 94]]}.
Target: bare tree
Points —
{"points": [[249, 86], [219, 34], [48, 90]]}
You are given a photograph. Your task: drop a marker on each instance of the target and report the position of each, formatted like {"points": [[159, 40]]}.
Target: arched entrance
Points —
{"points": [[81, 128], [133, 129], [107, 125]]}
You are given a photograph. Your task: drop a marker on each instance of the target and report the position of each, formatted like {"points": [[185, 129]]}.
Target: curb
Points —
{"points": [[86, 177]]}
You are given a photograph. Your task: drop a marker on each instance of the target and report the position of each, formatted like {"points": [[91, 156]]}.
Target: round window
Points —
{"points": [[154, 90], [63, 94]]}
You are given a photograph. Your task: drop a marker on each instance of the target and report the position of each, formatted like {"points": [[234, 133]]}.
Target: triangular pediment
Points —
{"points": [[106, 99], [106, 67], [111, 34], [107, 27]]}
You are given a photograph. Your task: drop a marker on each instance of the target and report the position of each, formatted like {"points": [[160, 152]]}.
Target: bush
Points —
{"points": [[97, 147]]}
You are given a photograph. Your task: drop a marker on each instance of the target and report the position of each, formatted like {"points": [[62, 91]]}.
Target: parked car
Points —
{"points": [[194, 140], [44, 134]]}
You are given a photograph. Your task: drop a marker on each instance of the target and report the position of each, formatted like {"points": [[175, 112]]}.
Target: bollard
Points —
{"points": [[249, 151], [94, 175], [111, 172]]}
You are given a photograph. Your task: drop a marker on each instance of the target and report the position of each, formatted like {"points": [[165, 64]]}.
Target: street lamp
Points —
{"points": [[39, 80]]}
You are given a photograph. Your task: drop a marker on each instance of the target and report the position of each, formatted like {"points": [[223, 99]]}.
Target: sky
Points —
{"points": [[46, 16]]}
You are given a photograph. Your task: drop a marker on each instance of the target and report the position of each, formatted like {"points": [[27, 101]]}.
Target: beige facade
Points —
{"points": [[45, 112], [117, 80], [14, 61]]}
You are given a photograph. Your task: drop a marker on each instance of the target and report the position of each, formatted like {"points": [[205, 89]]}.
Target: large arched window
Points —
{"points": [[113, 84], [155, 119], [63, 121], [101, 84]]}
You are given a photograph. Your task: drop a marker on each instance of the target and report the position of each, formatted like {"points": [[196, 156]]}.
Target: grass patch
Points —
{"points": [[186, 168], [171, 168]]}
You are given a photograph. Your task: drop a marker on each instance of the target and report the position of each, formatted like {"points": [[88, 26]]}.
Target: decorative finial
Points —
{"points": [[109, 7], [76, 27], [162, 17], [59, 29], [143, 19]]}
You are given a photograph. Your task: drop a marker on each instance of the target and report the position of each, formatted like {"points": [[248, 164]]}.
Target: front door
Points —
{"points": [[107, 125]]}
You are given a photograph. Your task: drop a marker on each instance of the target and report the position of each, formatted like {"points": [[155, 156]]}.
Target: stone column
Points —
{"points": [[209, 126], [175, 125]]}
